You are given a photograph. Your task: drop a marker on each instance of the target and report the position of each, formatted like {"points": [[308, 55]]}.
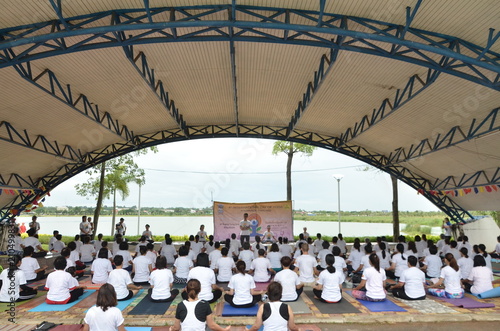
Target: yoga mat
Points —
{"points": [[493, 293], [148, 307], [46, 307], [342, 307], [138, 328], [468, 303], [379, 306], [299, 306], [229, 310], [262, 286], [260, 329], [124, 304]]}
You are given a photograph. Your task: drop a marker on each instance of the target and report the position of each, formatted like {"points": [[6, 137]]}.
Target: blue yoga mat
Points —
{"points": [[260, 329], [493, 293], [229, 310], [138, 328], [48, 307], [379, 306], [124, 304]]}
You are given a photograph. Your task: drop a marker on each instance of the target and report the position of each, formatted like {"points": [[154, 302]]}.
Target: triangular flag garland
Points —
{"points": [[463, 191], [39, 197]]}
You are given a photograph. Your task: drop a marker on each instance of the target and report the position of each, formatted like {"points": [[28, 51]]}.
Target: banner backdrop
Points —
{"points": [[278, 214]]}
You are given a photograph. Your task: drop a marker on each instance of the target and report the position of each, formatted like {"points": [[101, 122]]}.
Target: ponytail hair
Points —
{"points": [[482, 248], [241, 266], [257, 242], [401, 249], [464, 251], [375, 261], [193, 288], [357, 246], [330, 260], [451, 260], [13, 262], [382, 248]]}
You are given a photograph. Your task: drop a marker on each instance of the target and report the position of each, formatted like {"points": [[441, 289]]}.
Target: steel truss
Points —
{"points": [[67, 171], [233, 23], [479, 178], [455, 136]]}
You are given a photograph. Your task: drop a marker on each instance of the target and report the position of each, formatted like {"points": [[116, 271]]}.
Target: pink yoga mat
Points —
{"points": [[468, 303]]}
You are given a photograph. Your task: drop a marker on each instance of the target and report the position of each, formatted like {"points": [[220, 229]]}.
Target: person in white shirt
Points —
{"points": [[286, 249], [195, 245], [141, 268], [365, 261], [66, 253], [13, 282], [420, 245], [373, 280], [432, 264], [168, 250], [62, 287], [58, 245], [84, 226], [210, 292], [255, 247], [274, 256], [383, 256], [354, 259], [224, 267], [161, 281], [292, 287], [52, 240], [32, 241], [30, 266], [487, 257], [275, 315], [305, 234], [261, 268], [101, 267], [78, 242], [142, 242], [104, 315], [399, 262], [210, 245], [447, 227], [411, 285], [151, 254], [121, 281], [202, 234], [148, 233], [34, 224], [306, 265], [453, 249], [87, 251], [127, 257], [465, 263], [98, 243], [268, 236], [329, 287], [214, 256], [322, 253], [182, 265], [496, 253], [412, 249], [339, 264], [234, 247], [194, 313], [450, 276], [245, 226], [441, 242], [342, 244], [242, 293], [246, 255], [480, 278]]}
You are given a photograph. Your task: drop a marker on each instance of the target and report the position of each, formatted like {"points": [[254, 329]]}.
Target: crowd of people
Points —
{"points": [[205, 267]]}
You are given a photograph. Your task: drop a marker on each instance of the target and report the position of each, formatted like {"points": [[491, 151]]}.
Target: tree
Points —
{"points": [[113, 177], [290, 148]]}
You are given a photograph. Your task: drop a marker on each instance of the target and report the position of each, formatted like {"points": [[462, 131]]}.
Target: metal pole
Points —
{"points": [[139, 212], [338, 193]]}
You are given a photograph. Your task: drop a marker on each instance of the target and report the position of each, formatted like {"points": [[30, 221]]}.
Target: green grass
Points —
{"points": [[420, 220]]}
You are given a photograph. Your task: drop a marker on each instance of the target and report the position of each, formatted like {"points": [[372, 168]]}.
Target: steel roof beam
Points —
{"points": [[463, 59], [477, 128], [16, 181], [57, 6], [478, 178]]}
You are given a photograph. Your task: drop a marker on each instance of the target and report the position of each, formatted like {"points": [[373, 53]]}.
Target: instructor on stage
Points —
{"points": [[245, 229]]}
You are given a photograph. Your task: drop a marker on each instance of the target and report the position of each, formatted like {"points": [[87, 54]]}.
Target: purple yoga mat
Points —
{"points": [[469, 303]]}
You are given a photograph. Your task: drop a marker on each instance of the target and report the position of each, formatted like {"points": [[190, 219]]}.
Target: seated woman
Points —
{"points": [[101, 267], [161, 280], [329, 287], [480, 278], [275, 315], [399, 263], [62, 287], [242, 293], [121, 281], [194, 313], [450, 275], [411, 283], [30, 266], [225, 266], [261, 268], [182, 265], [210, 292], [373, 280], [274, 256], [289, 280], [13, 283], [104, 315]]}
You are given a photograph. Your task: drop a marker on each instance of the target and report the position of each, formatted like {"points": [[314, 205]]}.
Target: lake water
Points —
{"points": [[178, 226]]}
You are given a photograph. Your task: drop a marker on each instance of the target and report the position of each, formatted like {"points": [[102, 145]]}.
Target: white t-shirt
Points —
{"points": [[342, 245], [260, 267], [409, 253], [213, 257], [161, 279], [206, 276], [268, 236], [120, 278], [400, 263], [244, 223], [99, 320], [84, 228], [355, 257], [74, 256], [202, 235], [465, 265], [455, 252], [141, 268], [414, 280], [79, 245], [127, 258], [151, 255], [321, 257], [86, 252], [10, 285], [60, 283], [97, 245], [306, 264], [255, 250], [28, 266], [497, 248], [242, 284], [365, 261], [275, 259], [331, 290], [340, 265], [318, 245], [138, 247], [384, 262], [101, 269], [289, 281], [374, 283], [169, 252], [482, 278], [58, 246], [286, 250], [434, 264], [234, 247], [452, 282], [225, 266], [51, 243], [420, 245], [209, 248], [196, 247], [247, 257], [182, 265], [488, 261], [33, 242]]}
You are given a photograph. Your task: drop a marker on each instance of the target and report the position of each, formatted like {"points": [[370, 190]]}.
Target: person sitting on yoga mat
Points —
{"points": [[30, 266], [141, 267], [487, 257], [450, 275], [225, 266], [399, 262], [13, 283], [161, 281], [411, 283], [62, 287], [242, 293], [261, 268], [182, 265], [210, 292], [480, 278], [289, 280], [275, 315], [104, 315], [101, 267], [329, 287], [372, 286], [121, 281], [194, 313]]}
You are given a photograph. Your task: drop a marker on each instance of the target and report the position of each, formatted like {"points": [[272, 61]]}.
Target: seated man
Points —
{"points": [[268, 236]]}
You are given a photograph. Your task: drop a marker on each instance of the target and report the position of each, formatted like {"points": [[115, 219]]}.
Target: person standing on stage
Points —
{"points": [[245, 229], [121, 228], [305, 234], [34, 224], [84, 226]]}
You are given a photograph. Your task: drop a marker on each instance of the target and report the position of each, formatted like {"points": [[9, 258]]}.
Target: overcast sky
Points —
{"points": [[186, 174]]}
